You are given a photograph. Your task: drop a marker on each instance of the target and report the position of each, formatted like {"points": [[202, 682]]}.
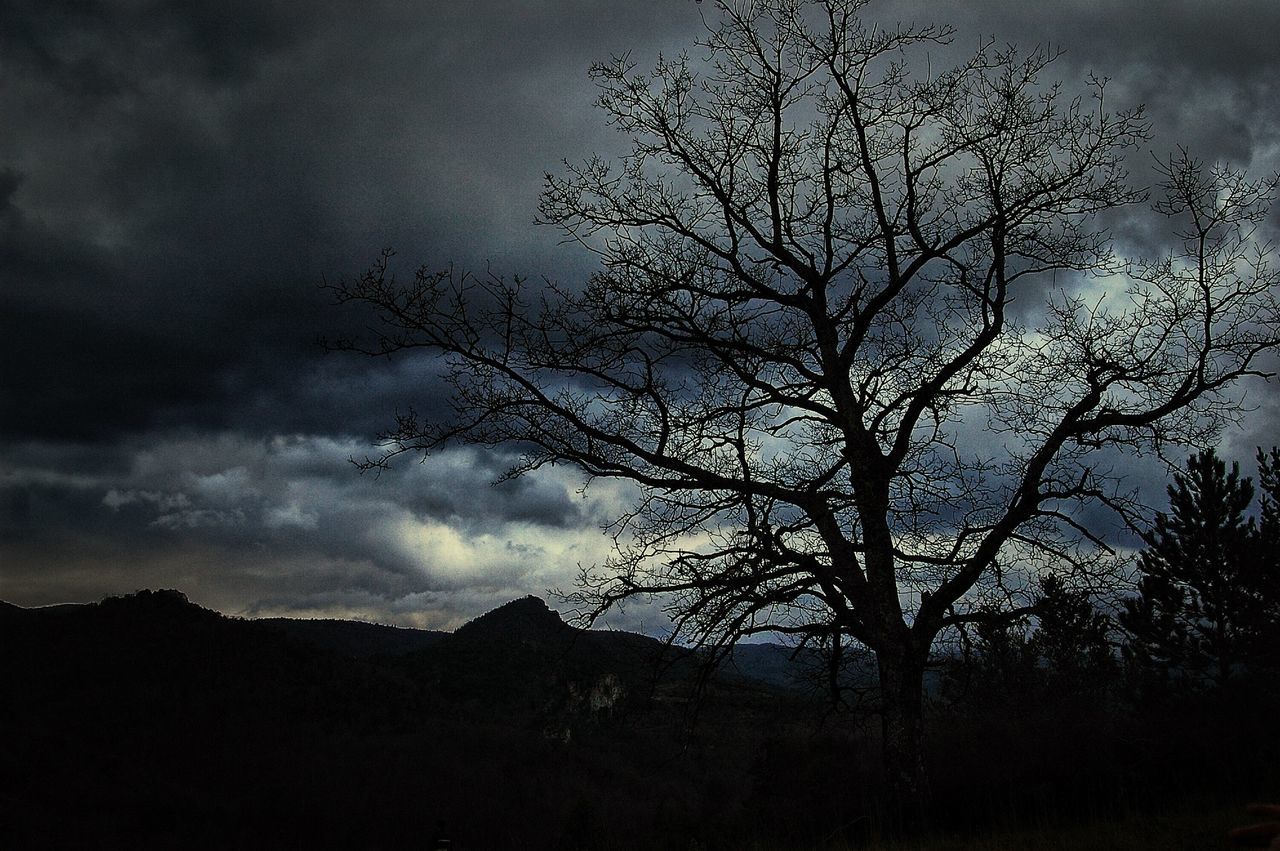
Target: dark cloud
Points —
{"points": [[104, 48], [161, 259], [1229, 40], [10, 180], [1204, 72], [183, 176]]}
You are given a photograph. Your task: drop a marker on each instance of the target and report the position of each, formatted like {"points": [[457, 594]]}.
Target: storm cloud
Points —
{"points": [[182, 177]]}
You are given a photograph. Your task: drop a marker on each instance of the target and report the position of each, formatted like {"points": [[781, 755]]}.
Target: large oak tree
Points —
{"points": [[858, 334]]}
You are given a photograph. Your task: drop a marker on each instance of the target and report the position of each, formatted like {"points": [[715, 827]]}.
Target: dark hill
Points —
{"points": [[147, 721], [528, 619], [355, 638], [529, 630], [11, 614], [524, 660]]}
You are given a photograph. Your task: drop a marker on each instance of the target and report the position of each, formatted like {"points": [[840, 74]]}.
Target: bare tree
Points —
{"points": [[857, 334]]}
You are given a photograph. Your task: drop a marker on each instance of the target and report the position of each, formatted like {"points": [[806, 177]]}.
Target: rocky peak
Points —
{"points": [[529, 618]]}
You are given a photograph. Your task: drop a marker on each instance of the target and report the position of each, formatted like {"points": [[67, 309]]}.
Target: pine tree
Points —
{"points": [[996, 665], [1269, 479], [1071, 638], [1267, 555], [1197, 612]]}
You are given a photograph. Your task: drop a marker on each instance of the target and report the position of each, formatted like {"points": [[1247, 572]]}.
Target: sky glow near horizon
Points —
{"points": [[180, 180]]}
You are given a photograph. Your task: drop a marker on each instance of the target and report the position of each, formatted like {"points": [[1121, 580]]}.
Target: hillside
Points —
{"points": [[354, 638], [149, 722], [146, 720]]}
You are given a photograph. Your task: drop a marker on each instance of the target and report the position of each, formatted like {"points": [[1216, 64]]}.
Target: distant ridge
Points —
{"points": [[148, 721], [526, 619], [355, 638], [521, 641], [153, 609], [162, 603], [9, 609], [12, 615]]}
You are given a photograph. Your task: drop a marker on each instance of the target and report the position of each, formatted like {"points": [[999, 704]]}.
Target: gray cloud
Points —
{"points": [[292, 526], [184, 175], [1204, 72], [162, 252]]}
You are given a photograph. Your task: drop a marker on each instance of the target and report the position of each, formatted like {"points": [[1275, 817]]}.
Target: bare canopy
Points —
{"points": [[801, 343]]}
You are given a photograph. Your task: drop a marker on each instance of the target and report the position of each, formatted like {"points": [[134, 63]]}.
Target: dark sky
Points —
{"points": [[177, 179]]}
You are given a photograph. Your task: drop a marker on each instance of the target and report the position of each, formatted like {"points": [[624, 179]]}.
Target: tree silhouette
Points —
{"points": [[1269, 499], [1267, 553], [997, 663], [1069, 651], [1071, 638], [1201, 607], [857, 336], [1266, 556]]}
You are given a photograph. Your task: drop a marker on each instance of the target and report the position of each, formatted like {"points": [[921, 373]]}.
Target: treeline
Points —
{"points": [[1164, 697], [1205, 615]]}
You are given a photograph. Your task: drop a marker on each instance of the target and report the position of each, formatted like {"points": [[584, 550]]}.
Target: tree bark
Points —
{"points": [[902, 725]]}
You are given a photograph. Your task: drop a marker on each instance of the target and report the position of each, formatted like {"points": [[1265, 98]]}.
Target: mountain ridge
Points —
{"points": [[525, 622]]}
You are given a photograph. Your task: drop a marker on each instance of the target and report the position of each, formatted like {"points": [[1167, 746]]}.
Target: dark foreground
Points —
{"points": [[148, 722]]}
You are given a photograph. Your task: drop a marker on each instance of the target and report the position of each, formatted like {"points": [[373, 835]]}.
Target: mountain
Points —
{"points": [[148, 721], [526, 619], [521, 651], [524, 660]]}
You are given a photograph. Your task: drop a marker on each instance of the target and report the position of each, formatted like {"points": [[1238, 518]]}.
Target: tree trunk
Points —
{"points": [[902, 724]]}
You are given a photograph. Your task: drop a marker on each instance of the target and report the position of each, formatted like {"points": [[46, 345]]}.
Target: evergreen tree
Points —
{"points": [[1068, 652], [1267, 553], [995, 665], [1005, 661], [1071, 639], [1269, 508], [1198, 609]]}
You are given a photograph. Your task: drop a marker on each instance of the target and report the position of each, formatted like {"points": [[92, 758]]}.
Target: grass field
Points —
{"points": [[1184, 831]]}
